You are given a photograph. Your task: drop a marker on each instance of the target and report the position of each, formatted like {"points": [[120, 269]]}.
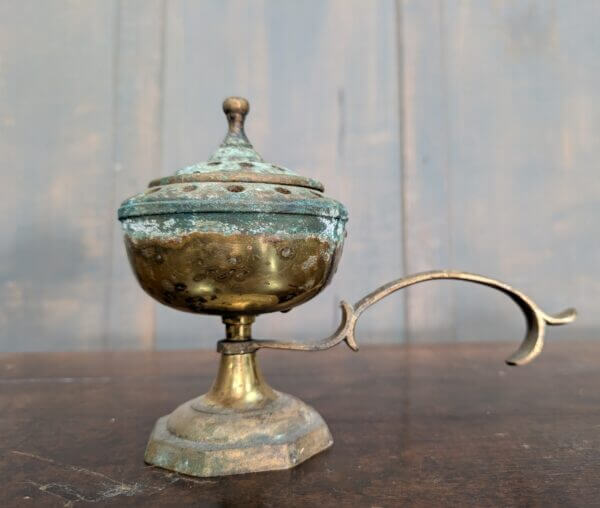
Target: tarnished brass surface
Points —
{"points": [[531, 346], [239, 327], [237, 236], [241, 425], [244, 177], [222, 274], [236, 160], [236, 109], [239, 386], [279, 436]]}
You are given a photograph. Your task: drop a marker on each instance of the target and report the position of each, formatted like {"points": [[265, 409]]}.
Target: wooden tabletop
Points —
{"points": [[426, 426]]}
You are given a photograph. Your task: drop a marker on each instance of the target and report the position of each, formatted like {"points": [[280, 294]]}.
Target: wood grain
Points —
{"points": [[137, 133], [529, 216], [427, 227], [504, 184], [56, 96], [461, 135], [422, 426]]}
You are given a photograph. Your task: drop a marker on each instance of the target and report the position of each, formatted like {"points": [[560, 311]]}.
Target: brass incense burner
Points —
{"points": [[236, 236]]}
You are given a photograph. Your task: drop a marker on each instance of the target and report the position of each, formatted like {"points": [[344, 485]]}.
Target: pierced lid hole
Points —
{"points": [[246, 164], [235, 188], [214, 163], [282, 190]]}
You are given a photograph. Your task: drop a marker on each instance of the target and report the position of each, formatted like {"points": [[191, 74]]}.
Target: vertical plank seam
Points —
{"points": [[115, 118], [161, 119], [405, 384], [162, 81], [445, 114], [402, 150]]}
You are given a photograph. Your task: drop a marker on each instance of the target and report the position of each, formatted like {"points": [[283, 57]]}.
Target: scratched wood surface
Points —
{"points": [[439, 425], [459, 134]]}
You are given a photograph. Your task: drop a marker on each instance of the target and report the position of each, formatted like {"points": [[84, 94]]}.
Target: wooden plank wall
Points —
{"points": [[459, 134], [500, 115]]}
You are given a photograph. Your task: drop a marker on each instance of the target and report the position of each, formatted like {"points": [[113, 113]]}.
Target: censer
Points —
{"points": [[236, 236]]}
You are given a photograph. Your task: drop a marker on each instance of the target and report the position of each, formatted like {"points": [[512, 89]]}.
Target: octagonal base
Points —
{"points": [[200, 440]]}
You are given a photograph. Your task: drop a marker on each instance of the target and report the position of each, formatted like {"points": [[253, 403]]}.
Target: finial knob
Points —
{"points": [[236, 109], [236, 105]]}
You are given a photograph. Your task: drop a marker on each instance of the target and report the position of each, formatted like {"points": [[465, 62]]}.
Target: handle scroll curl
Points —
{"points": [[530, 347]]}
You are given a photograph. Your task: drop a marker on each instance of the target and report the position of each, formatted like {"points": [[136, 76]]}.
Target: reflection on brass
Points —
{"points": [[237, 236], [223, 274], [239, 384]]}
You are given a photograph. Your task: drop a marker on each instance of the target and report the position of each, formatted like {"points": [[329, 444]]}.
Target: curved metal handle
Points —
{"points": [[531, 346]]}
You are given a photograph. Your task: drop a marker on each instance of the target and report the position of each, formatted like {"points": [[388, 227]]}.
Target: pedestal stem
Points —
{"points": [[241, 425], [239, 384], [238, 328]]}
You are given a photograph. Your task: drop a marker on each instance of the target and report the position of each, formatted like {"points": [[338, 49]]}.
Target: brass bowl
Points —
{"points": [[212, 271]]}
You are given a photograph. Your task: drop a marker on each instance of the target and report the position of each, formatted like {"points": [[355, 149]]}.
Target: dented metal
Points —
{"points": [[235, 236]]}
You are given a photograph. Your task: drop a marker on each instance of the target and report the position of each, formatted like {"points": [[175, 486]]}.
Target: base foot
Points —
{"points": [[199, 440]]}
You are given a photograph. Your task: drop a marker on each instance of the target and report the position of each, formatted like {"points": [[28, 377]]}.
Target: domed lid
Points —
{"points": [[236, 160], [260, 186]]}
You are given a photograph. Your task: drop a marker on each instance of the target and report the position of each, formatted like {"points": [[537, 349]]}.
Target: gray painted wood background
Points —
{"points": [[460, 134]]}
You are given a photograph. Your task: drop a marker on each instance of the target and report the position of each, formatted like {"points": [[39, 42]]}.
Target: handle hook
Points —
{"points": [[530, 347]]}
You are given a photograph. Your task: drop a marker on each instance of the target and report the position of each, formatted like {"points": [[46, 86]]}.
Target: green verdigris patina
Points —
{"points": [[234, 192], [235, 236], [260, 207]]}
